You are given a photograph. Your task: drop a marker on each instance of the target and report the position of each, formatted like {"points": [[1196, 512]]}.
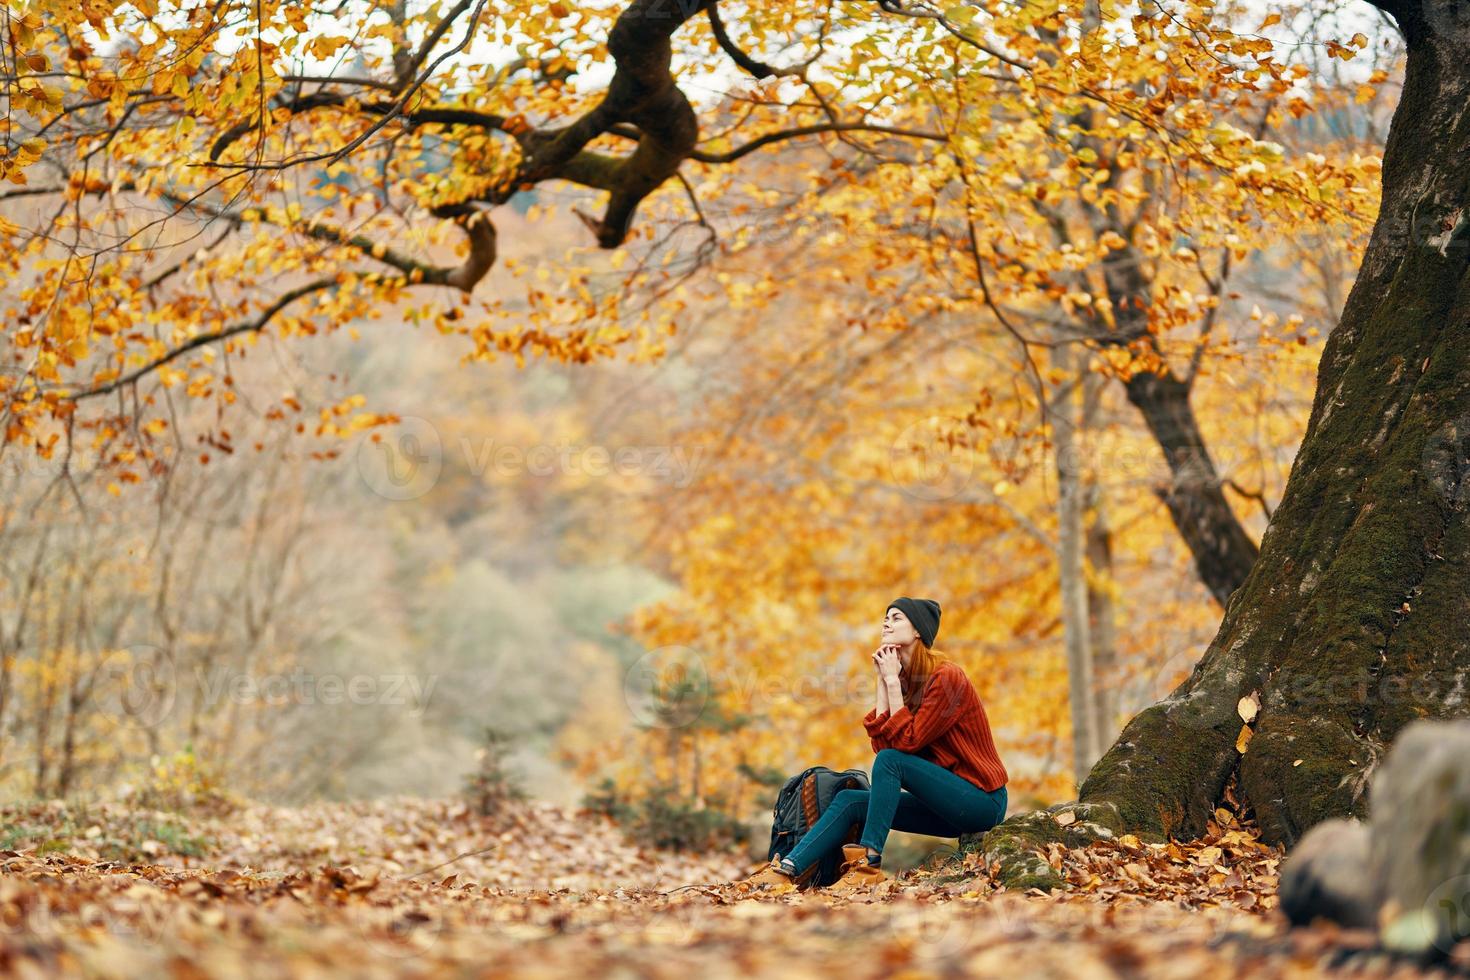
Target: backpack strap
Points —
{"points": [[810, 807]]}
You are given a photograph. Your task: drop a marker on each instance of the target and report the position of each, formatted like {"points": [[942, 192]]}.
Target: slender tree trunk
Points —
{"points": [[1222, 549], [45, 704], [695, 791], [1354, 620], [1101, 611], [676, 747], [1102, 616], [68, 746], [1072, 573], [7, 663], [1223, 552]]}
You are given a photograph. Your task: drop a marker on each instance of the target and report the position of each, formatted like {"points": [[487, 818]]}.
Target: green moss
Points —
{"points": [[1166, 770], [1018, 864], [1020, 879], [1018, 846], [1301, 762]]}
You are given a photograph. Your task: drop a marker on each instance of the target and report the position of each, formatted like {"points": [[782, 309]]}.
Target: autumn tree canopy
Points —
{"points": [[193, 174], [325, 162]]}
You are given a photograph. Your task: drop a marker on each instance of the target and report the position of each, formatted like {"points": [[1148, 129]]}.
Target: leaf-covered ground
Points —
{"points": [[385, 889]]}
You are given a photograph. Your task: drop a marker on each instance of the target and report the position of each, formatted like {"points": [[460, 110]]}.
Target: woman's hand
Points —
{"points": [[878, 653], [887, 662]]}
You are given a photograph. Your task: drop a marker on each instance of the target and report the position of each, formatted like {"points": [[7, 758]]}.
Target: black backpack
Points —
{"points": [[803, 800]]}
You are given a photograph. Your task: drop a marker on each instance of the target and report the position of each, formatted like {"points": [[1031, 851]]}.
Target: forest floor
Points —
{"points": [[381, 889]]}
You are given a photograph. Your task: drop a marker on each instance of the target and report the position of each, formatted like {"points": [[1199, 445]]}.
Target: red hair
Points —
{"points": [[923, 662]]}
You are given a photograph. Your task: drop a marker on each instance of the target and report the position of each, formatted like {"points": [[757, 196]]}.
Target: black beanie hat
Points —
{"points": [[923, 613]]}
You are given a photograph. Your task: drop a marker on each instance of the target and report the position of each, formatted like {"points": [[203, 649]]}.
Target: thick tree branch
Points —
{"points": [[642, 103], [749, 65], [642, 92]]}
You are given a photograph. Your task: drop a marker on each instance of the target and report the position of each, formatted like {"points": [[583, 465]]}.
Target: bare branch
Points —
{"points": [[248, 326]]}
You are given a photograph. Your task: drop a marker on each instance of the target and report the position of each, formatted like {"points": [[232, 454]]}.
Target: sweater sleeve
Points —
{"points": [[908, 731], [874, 723]]}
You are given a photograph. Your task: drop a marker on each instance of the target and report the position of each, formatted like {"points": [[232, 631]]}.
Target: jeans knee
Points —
{"points": [[888, 759], [850, 798]]}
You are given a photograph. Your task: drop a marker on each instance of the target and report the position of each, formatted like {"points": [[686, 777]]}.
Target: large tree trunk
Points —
{"points": [[1354, 620]]}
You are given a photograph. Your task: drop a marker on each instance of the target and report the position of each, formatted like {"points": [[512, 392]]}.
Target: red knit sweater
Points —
{"points": [[949, 729]]}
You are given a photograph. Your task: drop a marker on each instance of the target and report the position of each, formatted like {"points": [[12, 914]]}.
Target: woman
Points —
{"points": [[936, 771]]}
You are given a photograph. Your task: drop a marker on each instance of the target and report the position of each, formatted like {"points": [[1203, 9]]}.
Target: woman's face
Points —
{"points": [[897, 629]]}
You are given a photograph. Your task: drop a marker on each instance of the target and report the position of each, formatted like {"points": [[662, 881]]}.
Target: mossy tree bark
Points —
{"points": [[1353, 622]]}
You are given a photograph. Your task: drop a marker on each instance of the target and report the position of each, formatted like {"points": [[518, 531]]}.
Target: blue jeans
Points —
{"points": [[909, 794]]}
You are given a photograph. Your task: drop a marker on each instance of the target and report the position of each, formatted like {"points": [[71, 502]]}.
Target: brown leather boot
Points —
{"points": [[857, 874], [767, 880]]}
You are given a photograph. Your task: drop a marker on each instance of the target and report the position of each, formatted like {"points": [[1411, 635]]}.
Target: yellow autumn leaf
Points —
{"points": [[1249, 706], [326, 47]]}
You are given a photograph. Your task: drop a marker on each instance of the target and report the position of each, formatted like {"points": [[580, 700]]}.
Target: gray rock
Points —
{"points": [[1420, 850], [1326, 875]]}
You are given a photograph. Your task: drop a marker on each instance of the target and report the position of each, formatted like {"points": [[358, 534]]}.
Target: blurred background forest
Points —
{"points": [[659, 573]]}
